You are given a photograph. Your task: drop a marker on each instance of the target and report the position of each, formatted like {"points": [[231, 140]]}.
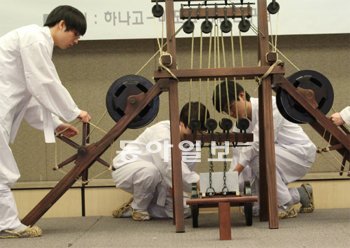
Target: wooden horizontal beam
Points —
{"points": [[233, 200], [218, 73], [220, 137], [215, 12]]}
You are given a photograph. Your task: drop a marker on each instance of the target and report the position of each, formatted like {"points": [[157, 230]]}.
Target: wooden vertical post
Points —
{"points": [[268, 192], [174, 123], [225, 220]]}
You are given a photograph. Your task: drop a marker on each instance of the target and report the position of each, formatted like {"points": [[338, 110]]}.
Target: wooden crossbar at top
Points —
{"points": [[162, 1], [204, 12]]}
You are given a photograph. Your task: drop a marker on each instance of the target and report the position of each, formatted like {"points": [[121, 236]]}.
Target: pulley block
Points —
{"points": [[206, 26], [195, 125], [244, 25], [226, 26], [188, 26], [157, 10], [225, 124], [211, 125], [273, 7], [117, 99], [242, 124], [305, 80]]}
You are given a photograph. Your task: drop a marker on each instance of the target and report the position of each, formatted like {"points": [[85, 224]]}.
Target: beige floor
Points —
{"points": [[321, 229]]}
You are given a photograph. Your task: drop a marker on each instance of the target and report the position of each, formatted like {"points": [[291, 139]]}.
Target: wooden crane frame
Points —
{"points": [[88, 154]]}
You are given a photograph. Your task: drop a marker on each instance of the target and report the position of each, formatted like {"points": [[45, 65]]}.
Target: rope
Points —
{"points": [[273, 44], [208, 80], [226, 79], [243, 78], [191, 81], [200, 67], [255, 30], [233, 65], [160, 46], [160, 52], [96, 127], [268, 72]]}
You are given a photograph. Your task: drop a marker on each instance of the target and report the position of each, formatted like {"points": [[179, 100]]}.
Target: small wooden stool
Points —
{"points": [[223, 203]]}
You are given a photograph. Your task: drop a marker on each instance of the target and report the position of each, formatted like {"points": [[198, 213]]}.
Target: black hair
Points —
{"points": [[198, 112], [72, 17], [230, 89]]}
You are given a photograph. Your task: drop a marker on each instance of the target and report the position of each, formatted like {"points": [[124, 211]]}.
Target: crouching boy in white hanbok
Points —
{"points": [[143, 168], [295, 152]]}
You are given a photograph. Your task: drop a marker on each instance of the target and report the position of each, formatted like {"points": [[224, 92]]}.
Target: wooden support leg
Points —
{"points": [[195, 214], [225, 221]]}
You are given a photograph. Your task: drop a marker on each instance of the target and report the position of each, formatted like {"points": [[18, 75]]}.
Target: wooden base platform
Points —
{"points": [[223, 203]]}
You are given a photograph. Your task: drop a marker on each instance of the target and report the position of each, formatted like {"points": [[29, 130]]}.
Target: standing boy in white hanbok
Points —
{"points": [[295, 152], [143, 168], [30, 89]]}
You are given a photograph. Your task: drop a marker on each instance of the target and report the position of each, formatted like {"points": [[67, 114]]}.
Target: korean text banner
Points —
{"points": [[133, 19]]}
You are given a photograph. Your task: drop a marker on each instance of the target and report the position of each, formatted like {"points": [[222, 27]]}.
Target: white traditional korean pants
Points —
{"points": [[143, 179], [289, 168], [9, 174]]}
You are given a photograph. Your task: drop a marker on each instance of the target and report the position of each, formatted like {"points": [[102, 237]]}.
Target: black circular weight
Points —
{"points": [[226, 26], [273, 7], [206, 27], [117, 96], [188, 27], [157, 10], [195, 125], [244, 25], [242, 124], [225, 124], [305, 79], [211, 124]]}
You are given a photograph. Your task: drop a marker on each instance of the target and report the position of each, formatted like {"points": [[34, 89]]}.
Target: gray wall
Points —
{"points": [[88, 70]]}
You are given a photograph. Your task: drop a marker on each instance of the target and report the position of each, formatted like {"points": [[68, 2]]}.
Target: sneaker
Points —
{"points": [[29, 232], [287, 212], [124, 211], [140, 215], [306, 198]]}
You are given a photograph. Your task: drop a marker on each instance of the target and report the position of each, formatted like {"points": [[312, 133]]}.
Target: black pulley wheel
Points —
{"points": [[244, 25], [273, 7], [195, 125], [242, 124], [305, 79], [206, 27], [188, 27], [157, 10], [226, 26], [117, 97], [225, 124], [211, 124]]}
